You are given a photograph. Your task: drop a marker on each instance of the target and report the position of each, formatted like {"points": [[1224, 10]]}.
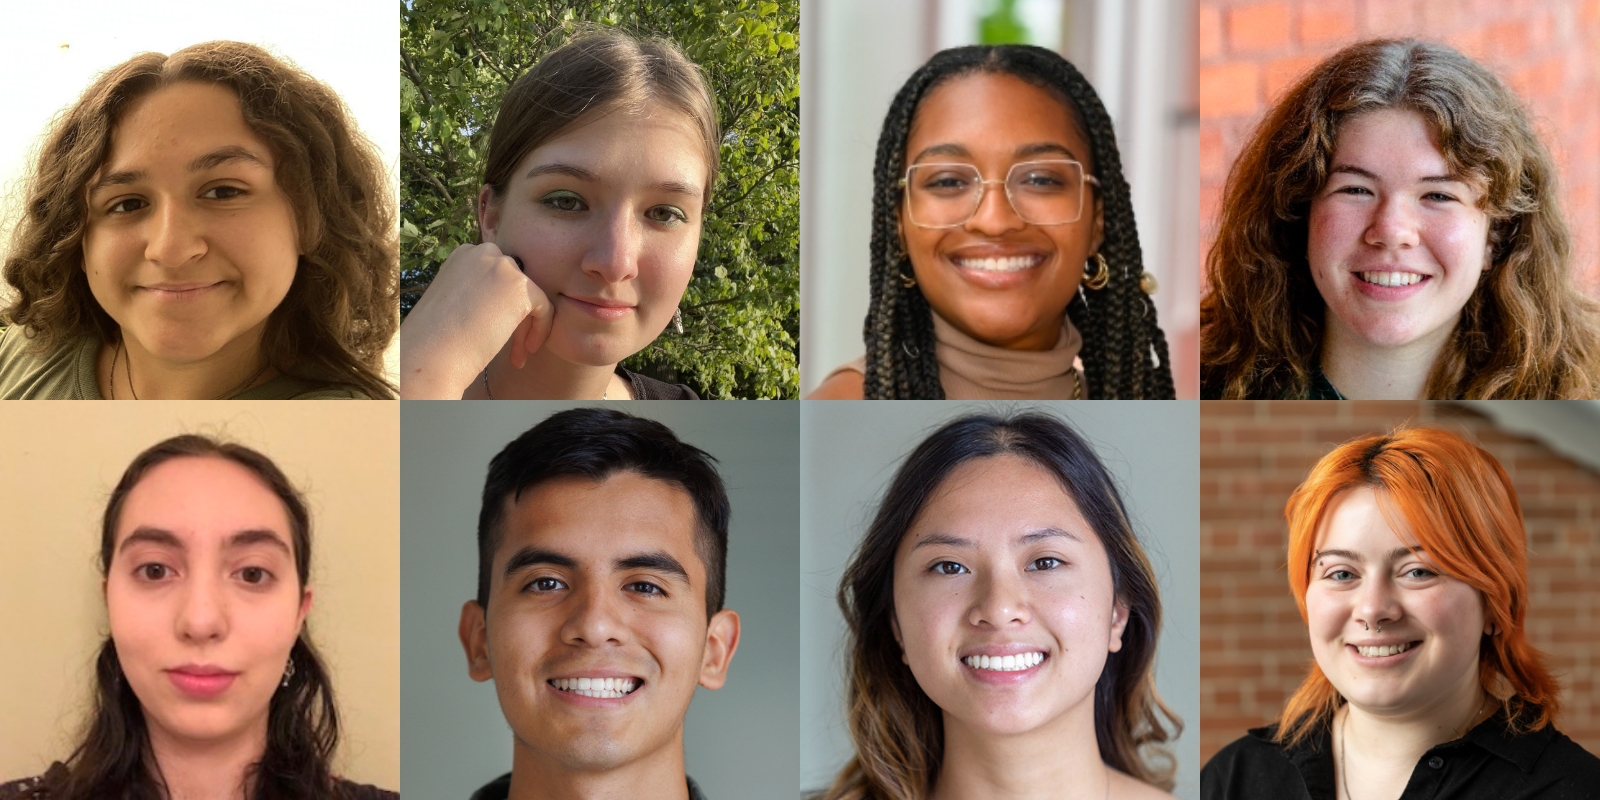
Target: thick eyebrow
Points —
{"points": [[570, 170], [225, 155], [1371, 176], [655, 560], [535, 556], [948, 149], [166, 538], [677, 187], [1398, 552], [1042, 148], [934, 539]]}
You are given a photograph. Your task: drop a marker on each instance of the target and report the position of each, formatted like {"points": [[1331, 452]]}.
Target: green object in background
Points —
{"points": [[1002, 25]]}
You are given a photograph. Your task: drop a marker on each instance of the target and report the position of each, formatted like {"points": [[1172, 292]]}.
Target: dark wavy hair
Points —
{"points": [[1526, 332], [114, 759], [342, 309], [1124, 351], [898, 731]]}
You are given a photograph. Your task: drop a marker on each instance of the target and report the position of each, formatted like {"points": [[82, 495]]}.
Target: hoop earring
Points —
{"points": [[1100, 276], [677, 320], [908, 281]]}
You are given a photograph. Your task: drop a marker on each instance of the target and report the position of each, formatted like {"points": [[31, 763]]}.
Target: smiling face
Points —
{"points": [[1365, 578], [606, 220], [203, 598], [1396, 243], [1005, 610], [596, 632], [997, 278], [190, 243]]}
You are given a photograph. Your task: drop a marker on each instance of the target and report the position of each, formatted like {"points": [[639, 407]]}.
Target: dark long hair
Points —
{"points": [[114, 758], [1124, 351], [1525, 333], [898, 731]]}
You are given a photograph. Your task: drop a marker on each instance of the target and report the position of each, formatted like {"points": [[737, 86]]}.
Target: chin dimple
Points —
{"points": [[1015, 663], [597, 687]]}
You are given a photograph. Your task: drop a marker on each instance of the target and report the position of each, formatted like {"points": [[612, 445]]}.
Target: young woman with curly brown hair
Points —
{"points": [[1393, 230], [209, 224]]}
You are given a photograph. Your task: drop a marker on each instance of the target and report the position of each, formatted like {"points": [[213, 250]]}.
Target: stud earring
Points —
{"points": [[288, 674], [677, 320], [1100, 276]]}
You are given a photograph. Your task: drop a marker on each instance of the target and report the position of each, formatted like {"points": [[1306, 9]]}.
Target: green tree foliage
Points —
{"points": [[741, 311]]}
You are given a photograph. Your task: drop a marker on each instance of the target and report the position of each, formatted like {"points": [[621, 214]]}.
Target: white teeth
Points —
{"points": [[1384, 650], [1004, 663], [597, 687], [1008, 264], [1391, 278]]}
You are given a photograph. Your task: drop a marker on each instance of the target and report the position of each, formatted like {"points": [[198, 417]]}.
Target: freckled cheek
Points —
{"points": [[1334, 234]]}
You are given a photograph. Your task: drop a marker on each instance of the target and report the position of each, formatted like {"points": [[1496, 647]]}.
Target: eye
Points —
{"points": [[947, 182], [544, 585], [646, 587], [565, 201], [1420, 573], [949, 568], [1045, 564], [255, 576], [222, 193], [126, 206], [1341, 575], [152, 572], [1439, 197], [1359, 191], [670, 215]]}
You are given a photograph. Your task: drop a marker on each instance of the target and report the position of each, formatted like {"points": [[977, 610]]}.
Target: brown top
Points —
{"points": [[33, 789], [972, 370]]}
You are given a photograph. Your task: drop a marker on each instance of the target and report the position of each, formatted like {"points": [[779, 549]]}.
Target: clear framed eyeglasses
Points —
{"points": [[1041, 192]]}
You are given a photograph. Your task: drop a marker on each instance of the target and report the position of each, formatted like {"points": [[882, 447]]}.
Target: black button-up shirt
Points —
{"points": [[1487, 763]]}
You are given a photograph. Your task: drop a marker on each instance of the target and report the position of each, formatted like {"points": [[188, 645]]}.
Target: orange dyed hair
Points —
{"points": [[1460, 505]]}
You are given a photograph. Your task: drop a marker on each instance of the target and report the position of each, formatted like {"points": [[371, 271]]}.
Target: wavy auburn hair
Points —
{"points": [[1459, 504], [342, 309], [114, 758], [898, 731], [1526, 332]]}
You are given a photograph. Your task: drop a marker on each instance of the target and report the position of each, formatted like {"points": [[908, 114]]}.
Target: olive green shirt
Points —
{"points": [[69, 374]]}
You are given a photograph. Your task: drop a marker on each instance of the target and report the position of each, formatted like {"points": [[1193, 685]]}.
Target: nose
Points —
{"points": [[176, 236], [999, 602], [1377, 604], [614, 254], [1394, 223], [594, 620], [994, 214], [203, 613]]}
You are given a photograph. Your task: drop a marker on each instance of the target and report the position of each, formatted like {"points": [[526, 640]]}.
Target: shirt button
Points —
{"points": [[1436, 762]]}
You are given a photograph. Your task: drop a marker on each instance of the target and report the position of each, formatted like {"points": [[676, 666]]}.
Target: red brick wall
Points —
{"points": [[1251, 51], [1253, 644]]}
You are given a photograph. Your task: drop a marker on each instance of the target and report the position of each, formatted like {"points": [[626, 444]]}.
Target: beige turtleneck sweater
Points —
{"points": [[972, 370]]}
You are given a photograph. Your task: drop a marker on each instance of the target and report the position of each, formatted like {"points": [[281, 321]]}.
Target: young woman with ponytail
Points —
{"points": [[1004, 249]]}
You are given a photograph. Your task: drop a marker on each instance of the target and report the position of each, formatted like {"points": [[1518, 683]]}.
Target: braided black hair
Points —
{"points": [[1118, 323]]}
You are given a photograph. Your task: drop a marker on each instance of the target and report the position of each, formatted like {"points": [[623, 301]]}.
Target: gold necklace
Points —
{"points": [[135, 392], [1344, 743]]}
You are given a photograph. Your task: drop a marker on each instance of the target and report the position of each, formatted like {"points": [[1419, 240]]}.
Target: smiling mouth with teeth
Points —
{"points": [[609, 688], [1391, 278], [1006, 264], [1015, 663], [1383, 651]]}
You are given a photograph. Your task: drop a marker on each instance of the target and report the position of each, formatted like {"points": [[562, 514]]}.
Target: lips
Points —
{"points": [[201, 680], [599, 307], [597, 687], [181, 291], [1391, 278]]}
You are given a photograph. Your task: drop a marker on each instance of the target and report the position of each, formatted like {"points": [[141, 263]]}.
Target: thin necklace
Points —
{"points": [[606, 395], [1344, 743], [118, 355]]}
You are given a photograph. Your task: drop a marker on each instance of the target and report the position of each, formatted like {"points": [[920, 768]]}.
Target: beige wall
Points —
{"points": [[58, 462]]}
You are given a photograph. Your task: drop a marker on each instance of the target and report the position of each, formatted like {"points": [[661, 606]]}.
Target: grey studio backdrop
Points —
{"points": [[849, 455], [739, 741]]}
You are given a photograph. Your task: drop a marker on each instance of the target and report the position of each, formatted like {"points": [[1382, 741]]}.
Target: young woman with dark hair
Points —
{"points": [[599, 169], [208, 685], [1003, 625], [204, 225], [1409, 561], [1004, 247], [1393, 230]]}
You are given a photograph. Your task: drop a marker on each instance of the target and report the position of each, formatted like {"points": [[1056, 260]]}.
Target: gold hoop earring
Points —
{"points": [[908, 281], [1100, 276]]}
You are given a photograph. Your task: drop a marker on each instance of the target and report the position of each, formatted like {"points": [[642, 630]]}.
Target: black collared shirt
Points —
{"points": [[500, 789], [1487, 763]]}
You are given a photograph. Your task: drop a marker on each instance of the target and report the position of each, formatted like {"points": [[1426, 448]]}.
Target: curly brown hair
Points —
{"points": [[1526, 333], [342, 310]]}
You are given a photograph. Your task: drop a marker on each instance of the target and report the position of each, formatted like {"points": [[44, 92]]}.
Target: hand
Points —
{"points": [[479, 299]]}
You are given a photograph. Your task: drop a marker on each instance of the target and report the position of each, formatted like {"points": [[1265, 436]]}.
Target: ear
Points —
{"points": [[488, 214], [305, 610], [722, 638], [894, 625], [1099, 224], [475, 641], [1119, 623]]}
